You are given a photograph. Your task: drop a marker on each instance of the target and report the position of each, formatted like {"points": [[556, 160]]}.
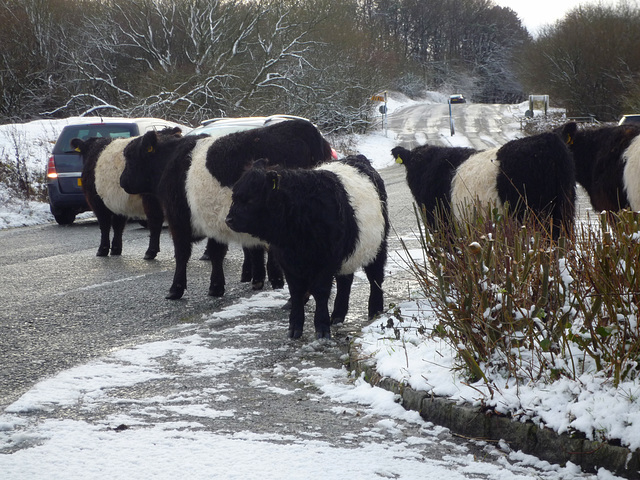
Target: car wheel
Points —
{"points": [[64, 217]]}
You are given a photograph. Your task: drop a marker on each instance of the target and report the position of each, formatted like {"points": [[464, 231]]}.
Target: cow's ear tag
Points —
{"points": [[78, 149], [569, 140], [398, 160], [275, 180], [150, 149]]}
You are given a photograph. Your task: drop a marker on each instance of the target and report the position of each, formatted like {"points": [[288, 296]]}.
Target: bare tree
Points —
{"points": [[590, 61]]}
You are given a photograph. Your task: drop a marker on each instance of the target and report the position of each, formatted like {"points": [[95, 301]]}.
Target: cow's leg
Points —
{"points": [[258, 272], [341, 303], [375, 275], [321, 320], [155, 218], [245, 275], [217, 252], [274, 271], [104, 215], [104, 221], [298, 291], [118, 223], [182, 249]]}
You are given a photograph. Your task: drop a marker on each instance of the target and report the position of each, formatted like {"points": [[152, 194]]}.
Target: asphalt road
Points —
{"points": [[481, 125]]}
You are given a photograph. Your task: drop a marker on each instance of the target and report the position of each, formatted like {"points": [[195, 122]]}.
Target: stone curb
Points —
{"points": [[471, 422]]}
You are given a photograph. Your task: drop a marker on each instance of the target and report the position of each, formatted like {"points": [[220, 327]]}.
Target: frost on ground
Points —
{"points": [[187, 407], [590, 404]]}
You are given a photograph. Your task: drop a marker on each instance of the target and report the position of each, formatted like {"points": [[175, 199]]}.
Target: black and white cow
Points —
{"points": [[607, 162], [192, 176], [321, 223], [102, 166], [533, 174]]}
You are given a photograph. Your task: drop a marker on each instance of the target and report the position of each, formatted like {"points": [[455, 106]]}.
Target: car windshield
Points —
{"points": [[630, 119], [83, 132]]}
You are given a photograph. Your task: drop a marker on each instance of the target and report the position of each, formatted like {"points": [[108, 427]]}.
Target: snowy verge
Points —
{"points": [[589, 405]]}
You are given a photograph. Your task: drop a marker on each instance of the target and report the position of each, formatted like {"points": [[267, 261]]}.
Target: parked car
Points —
{"points": [[627, 119], [219, 127], [457, 99], [66, 198]]}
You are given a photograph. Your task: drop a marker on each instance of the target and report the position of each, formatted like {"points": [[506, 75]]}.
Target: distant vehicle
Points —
{"points": [[66, 198], [457, 99], [627, 119]]}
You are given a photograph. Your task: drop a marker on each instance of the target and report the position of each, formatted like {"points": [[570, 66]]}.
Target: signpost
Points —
{"points": [[451, 123], [383, 108]]}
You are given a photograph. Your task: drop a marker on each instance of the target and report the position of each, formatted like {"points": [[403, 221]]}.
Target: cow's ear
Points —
{"points": [[273, 180], [77, 144], [569, 132], [149, 142], [402, 155]]}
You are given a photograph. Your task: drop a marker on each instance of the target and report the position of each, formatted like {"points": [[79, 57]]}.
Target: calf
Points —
{"points": [[103, 163], [532, 174], [320, 224], [607, 162], [193, 176]]}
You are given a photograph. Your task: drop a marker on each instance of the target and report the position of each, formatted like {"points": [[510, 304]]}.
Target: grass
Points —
{"points": [[508, 297]]}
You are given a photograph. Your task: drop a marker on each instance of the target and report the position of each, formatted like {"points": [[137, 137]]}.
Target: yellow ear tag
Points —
{"points": [[569, 140], [398, 160], [78, 149], [275, 184], [150, 149]]}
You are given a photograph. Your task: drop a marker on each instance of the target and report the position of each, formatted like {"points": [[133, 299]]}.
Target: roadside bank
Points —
{"points": [[474, 423]]}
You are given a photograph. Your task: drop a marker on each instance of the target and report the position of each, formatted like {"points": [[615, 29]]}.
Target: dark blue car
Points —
{"points": [[66, 198]]}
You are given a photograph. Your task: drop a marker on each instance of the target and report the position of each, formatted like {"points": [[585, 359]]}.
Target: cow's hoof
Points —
{"points": [[277, 284], [295, 333], [175, 294], [216, 291], [116, 252], [257, 285], [337, 320], [102, 252], [323, 334], [245, 277], [150, 255]]}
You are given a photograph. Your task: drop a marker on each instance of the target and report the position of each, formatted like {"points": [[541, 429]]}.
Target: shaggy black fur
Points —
{"points": [[91, 150], [160, 166], [308, 220], [430, 171], [536, 174], [598, 161]]}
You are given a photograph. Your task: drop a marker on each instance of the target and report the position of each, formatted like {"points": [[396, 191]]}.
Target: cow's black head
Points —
{"points": [[567, 133], [141, 165], [401, 155], [251, 198], [90, 147]]}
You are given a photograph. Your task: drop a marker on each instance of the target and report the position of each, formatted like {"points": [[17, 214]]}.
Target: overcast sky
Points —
{"points": [[537, 13]]}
